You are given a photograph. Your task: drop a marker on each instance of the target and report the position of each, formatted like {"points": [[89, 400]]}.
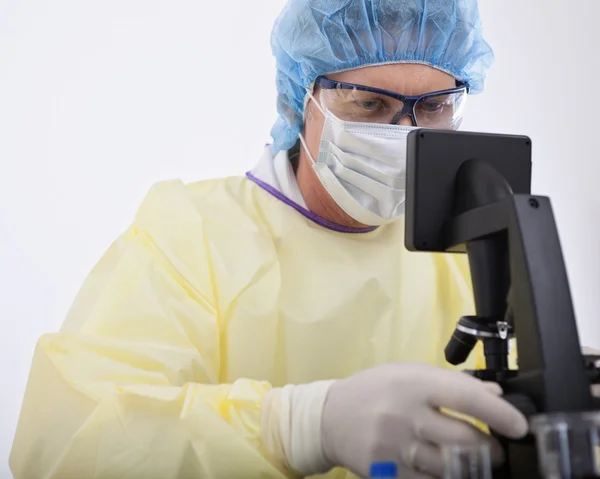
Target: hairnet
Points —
{"points": [[315, 37]]}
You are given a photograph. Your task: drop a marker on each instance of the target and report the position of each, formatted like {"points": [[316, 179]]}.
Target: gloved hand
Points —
{"points": [[392, 413], [586, 351], [387, 413]]}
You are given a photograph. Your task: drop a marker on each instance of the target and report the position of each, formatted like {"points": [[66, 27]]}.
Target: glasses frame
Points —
{"points": [[409, 101]]}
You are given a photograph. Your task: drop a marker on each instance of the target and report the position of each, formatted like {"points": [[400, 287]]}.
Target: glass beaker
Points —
{"points": [[467, 462], [568, 444]]}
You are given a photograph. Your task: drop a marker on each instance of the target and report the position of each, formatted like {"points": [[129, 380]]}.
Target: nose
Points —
{"points": [[403, 118]]}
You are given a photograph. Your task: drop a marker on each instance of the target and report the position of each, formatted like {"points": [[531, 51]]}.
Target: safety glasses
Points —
{"points": [[365, 104]]}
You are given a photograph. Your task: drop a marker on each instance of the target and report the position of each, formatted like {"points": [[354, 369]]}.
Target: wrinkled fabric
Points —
{"points": [[218, 292], [316, 37]]}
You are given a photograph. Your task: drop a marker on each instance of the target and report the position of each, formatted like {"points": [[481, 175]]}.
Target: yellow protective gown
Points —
{"points": [[218, 292]]}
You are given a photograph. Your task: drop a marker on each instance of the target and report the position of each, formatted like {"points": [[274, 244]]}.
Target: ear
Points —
{"points": [[308, 112], [309, 104], [308, 109]]}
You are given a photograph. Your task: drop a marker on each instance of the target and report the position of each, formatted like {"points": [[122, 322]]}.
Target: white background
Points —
{"points": [[98, 100]]}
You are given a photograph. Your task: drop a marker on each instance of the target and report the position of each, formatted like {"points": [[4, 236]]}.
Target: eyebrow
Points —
{"points": [[396, 91], [416, 90]]}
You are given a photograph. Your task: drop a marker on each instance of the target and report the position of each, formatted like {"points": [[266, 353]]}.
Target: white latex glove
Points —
{"points": [[387, 413], [391, 413], [592, 352]]}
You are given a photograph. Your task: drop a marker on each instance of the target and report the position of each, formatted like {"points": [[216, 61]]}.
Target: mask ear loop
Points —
{"points": [[301, 136], [305, 146], [317, 104]]}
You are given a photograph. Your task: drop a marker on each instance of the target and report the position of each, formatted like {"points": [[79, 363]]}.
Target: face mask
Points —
{"points": [[363, 167]]}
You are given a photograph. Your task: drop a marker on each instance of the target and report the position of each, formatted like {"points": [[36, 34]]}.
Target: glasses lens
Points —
{"points": [[360, 106], [357, 105], [442, 111]]}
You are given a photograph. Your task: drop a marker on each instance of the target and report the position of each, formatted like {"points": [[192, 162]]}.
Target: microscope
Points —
{"points": [[470, 193]]}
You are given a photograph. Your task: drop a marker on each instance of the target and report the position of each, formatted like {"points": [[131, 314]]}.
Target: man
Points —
{"points": [[274, 326]]}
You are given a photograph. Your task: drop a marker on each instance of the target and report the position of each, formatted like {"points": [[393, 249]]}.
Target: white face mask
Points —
{"points": [[363, 167]]}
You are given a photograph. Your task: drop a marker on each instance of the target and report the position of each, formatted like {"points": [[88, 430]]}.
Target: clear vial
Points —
{"points": [[467, 462], [568, 444]]}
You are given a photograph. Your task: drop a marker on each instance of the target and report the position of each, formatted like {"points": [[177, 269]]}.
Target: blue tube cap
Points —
{"points": [[381, 470]]}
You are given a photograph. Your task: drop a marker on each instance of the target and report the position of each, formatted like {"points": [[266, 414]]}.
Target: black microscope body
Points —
{"points": [[470, 193]]}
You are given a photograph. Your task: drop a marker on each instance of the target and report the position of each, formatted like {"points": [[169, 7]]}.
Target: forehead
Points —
{"points": [[408, 79]]}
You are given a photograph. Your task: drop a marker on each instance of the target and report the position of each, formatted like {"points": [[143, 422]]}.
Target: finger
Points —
{"points": [[467, 395], [586, 351], [452, 379], [442, 430], [493, 388]]}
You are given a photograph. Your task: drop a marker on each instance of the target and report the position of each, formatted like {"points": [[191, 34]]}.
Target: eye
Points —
{"points": [[431, 106], [370, 105]]}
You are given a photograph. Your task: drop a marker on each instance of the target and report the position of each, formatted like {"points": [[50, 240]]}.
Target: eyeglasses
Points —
{"points": [[359, 103]]}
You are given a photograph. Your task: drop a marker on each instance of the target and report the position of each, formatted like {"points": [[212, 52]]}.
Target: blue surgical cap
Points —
{"points": [[316, 37]]}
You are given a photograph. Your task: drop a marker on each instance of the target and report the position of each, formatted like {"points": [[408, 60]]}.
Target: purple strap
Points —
{"points": [[308, 214]]}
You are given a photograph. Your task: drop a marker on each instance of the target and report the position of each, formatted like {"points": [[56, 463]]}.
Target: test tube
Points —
{"points": [[467, 462], [568, 444]]}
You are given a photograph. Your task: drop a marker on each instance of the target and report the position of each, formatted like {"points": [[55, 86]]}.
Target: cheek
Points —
{"points": [[313, 127], [313, 133]]}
